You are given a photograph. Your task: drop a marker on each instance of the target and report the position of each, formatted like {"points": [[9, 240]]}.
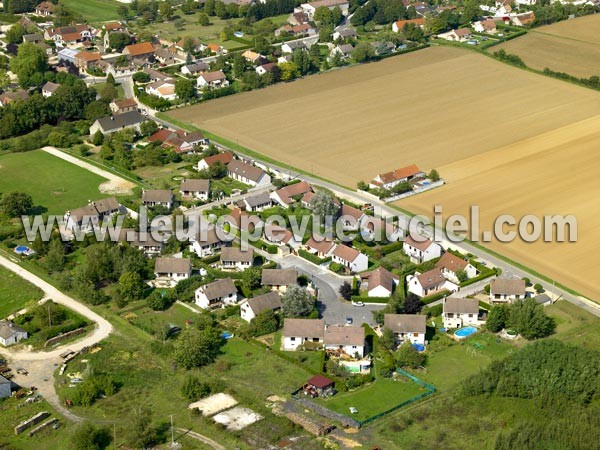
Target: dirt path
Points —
{"points": [[114, 185], [41, 365], [201, 438]]}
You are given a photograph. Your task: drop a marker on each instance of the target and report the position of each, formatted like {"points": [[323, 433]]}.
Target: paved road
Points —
{"points": [[41, 365], [331, 306], [115, 183]]}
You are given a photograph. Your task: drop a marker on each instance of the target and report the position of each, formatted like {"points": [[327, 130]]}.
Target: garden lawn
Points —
{"points": [[226, 185], [191, 27], [13, 411], [378, 397], [55, 184], [448, 366], [574, 325], [313, 360], [15, 293], [94, 11], [152, 321]]}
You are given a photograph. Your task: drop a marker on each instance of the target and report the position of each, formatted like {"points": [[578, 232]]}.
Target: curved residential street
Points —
{"points": [[40, 364]]}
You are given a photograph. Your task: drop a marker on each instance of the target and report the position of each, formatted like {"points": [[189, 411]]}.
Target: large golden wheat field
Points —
{"points": [[430, 107], [570, 46], [508, 140]]}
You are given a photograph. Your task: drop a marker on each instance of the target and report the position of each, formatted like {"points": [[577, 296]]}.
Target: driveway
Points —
{"points": [[331, 306]]}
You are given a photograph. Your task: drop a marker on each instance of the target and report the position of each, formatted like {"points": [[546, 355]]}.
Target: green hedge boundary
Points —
{"points": [[359, 298], [435, 297], [313, 258]]}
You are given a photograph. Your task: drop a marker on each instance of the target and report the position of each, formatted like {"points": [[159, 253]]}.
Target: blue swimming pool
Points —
{"points": [[419, 347], [465, 332], [226, 335], [21, 249]]}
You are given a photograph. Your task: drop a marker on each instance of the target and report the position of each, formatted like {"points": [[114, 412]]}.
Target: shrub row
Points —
{"points": [[432, 298], [313, 258], [364, 299]]}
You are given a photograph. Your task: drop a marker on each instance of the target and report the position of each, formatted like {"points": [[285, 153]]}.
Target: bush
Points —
{"points": [[194, 389], [364, 299], [141, 77], [312, 258], [336, 267]]}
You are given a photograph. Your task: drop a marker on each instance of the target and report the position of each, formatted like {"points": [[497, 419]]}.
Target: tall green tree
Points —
{"points": [[296, 302], [16, 204], [30, 64], [197, 348]]}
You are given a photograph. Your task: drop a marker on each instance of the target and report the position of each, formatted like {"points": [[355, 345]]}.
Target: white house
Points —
{"points": [[195, 188], [350, 258], [205, 163], [351, 217], [281, 236], [234, 258], [10, 333], [400, 24], [320, 246], [49, 89], [212, 80], [523, 19], [87, 218], [288, 195], [485, 26], [157, 197], [428, 283], [252, 307], [206, 242], [279, 280], [175, 269], [163, 89], [390, 179], [379, 282], [451, 265], [119, 122], [297, 332], [421, 250], [219, 293], [257, 202], [460, 312], [247, 174], [310, 8], [460, 35], [195, 68], [406, 327], [506, 290], [347, 339]]}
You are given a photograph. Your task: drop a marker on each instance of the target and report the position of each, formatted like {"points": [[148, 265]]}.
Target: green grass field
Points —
{"points": [[446, 366], [53, 183], [94, 11], [574, 325], [15, 293], [11, 415], [378, 397]]}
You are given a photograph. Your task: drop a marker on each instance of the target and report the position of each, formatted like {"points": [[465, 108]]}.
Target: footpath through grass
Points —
{"points": [[16, 293]]}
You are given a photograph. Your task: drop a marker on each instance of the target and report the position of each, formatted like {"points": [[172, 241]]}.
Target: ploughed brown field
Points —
{"points": [[508, 140], [571, 46]]}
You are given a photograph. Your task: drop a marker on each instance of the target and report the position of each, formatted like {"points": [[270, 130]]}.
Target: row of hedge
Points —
{"points": [[313, 258], [271, 249], [432, 298], [359, 298]]}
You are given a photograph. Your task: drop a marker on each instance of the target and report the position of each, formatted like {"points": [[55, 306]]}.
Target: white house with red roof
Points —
{"points": [[379, 282], [390, 179], [290, 194], [451, 265], [350, 258], [429, 283], [421, 249]]}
